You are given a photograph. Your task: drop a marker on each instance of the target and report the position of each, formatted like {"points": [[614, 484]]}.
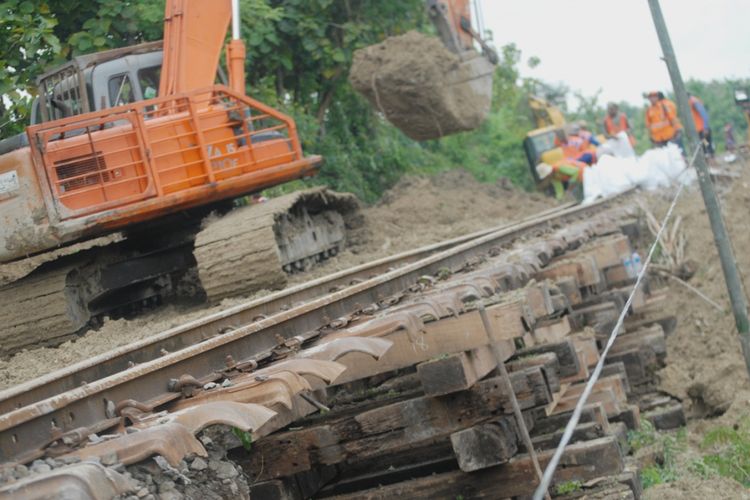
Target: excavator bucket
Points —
{"points": [[423, 88]]}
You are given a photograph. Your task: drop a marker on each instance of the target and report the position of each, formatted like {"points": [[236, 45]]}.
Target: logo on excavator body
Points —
{"points": [[216, 156]]}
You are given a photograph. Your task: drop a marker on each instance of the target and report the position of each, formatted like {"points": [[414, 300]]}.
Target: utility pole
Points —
{"points": [[721, 238]]}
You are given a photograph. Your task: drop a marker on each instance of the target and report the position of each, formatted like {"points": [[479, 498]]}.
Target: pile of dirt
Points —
{"points": [[423, 88], [704, 365], [705, 368], [420, 210]]}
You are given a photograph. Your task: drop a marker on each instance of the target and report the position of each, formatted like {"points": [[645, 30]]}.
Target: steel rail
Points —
{"points": [[181, 336], [31, 427]]}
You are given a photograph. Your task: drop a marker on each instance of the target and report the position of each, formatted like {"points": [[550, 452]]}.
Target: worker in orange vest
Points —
{"points": [[616, 122], [564, 175], [576, 145], [700, 117], [662, 122]]}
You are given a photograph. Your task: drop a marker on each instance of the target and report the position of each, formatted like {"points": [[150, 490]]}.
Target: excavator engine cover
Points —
{"points": [[423, 88]]}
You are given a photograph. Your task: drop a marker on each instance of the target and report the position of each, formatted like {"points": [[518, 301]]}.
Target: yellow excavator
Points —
{"points": [[539, 144]]}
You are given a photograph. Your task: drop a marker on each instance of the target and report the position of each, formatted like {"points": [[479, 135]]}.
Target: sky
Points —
{"points": [[612, 45]]}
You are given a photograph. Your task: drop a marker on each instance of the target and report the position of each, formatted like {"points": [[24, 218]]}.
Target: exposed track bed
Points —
{"points": [[253, 367]]}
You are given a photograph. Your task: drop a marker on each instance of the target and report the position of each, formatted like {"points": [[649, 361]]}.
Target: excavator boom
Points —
{"points": [[194, 34]]}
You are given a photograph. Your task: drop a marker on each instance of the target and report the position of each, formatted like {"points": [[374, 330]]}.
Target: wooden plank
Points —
{"points": [[617, 276], [614, 382], [459, 371], [668, 323], [607, 252], [392, 428], [565, 352], [615, 368], [669, 416], [569, 286], [581, 461], [556, 398], [601, 317], [605, 396], [584, 269], [592, 412], [548, 332], [539, 299], [630, 416], [485, 445], [585, 342], [652, 340], [446, 336], [635, 364], [585, 431], [583, 369]]}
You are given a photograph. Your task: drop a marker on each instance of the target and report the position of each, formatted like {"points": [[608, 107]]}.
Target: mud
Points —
{"points": [[417, 211], [13, 271], [421, 87], [35, 310]]}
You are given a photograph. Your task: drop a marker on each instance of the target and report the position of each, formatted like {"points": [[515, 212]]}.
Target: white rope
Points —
{"points": [[573, 422]]}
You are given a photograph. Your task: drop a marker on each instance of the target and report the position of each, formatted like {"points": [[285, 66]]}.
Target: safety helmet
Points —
{"points": [[544, 170]]}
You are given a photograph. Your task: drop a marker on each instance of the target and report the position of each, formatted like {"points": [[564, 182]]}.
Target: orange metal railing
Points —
{"points": [[118, 156]]}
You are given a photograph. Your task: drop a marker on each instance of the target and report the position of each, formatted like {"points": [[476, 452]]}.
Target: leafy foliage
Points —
{"points": [[569, 487], [730, 453], [298, 58], [669, 446]]}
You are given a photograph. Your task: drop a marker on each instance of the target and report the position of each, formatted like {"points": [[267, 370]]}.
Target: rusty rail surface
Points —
{"points": [[201, 349]]}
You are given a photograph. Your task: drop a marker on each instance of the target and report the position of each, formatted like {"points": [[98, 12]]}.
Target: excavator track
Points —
{"points": [[255, 247], [42, 308], [245, 250]]}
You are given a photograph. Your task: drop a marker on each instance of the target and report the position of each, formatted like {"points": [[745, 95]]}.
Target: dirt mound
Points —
{"points": [[423, 88], [704, 366]]}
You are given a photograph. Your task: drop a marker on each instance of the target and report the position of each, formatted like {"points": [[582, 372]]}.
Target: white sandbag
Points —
{"points": [[618, 146], [657, 168]]}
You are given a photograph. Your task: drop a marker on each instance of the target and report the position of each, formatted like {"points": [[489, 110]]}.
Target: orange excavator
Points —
{"points": [[104, 200]]}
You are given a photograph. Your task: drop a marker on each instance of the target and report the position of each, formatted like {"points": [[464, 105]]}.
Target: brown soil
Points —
{"points": [[421, 87], [417, 211], [691, 488], [705, 368]]}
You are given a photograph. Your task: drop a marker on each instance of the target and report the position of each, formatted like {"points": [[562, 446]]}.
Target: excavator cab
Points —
{"points": [[98, 81]]}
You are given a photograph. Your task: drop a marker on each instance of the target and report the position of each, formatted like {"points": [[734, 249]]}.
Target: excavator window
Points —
{"points": [[120, 90], [148, 78]]}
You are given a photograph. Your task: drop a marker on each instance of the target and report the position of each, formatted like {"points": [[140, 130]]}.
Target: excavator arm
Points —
{"points": [[452, 20], [194, 33]]}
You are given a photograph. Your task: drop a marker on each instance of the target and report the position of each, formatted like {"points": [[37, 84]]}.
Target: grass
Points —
{"points": [[724, 452], [569, 487], [668, 447], [729, 453], [245, 438]]}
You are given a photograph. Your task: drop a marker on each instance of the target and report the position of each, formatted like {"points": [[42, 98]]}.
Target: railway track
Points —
{"points": [[261, 365]]}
